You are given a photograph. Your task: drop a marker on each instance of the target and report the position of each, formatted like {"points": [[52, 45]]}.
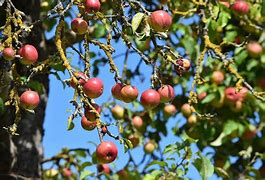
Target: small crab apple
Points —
{"points": [[183, 66], [67, 172], [29, 99], [116, 91], [240, 6], [104, 129], [160, 20], [104, 168], [117, 112], [202, 95], [129, 93], [218, 77], [150, 99], [9, 54], [225, 3], [135, 139], [93, 87], [106, 152], [149, 147], [81, 77], [90, 115], [230, 95], [137, 122], [170, 110], [92, 5], [166, 93], [254, 49], [29, 54], [88, 125], [242, 94], [186, 110], [79, 26], [192, 119]]}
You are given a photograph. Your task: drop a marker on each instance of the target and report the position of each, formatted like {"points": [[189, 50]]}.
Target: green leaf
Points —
{"points": [[154, 175], [208, 98], [2, 107], [223, 18], [99, 31], [156, 162], [204, 166], [85, 174], [136, 21], [70, 124], [37, 86], [263, 8], [85, 164]]}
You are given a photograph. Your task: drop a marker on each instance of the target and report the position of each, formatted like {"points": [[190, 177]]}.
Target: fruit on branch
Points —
{"points": [[170, 110], [166, 93], [149, 147], [67, 172], [254, 49], [104, 129], [143, 45], [81, 77], [29, 54], [50, 173], [160, 20], [88, 125], [183, 66], [231, 96], [225, 3], [129, 93], [9, 54], [117, 112], [91, 116], [106, 152], [79, 26], [104, 168], [240, 6], [123, 174], [186, 110], [137, 122], [192, 119], [242, 94], [92, 5], [116, 91], [150, 99], [218, 77], [93, 88], [135, 139], [29, 99], [202, 95]]}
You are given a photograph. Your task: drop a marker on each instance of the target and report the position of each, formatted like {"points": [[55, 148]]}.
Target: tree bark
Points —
{"points": [[20, 155]]}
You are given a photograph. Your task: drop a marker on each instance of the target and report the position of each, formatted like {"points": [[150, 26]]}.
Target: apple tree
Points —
{"points": [[207, 66]]}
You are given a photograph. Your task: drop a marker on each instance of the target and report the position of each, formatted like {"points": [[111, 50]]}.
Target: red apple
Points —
{"points": [[149, 147], [170, 110], [254, 49], [186, 110], [183, 66], [81, 77], [93, 88], [242, 94], [104, 129], [137, 122], [160, 20], [90, 115], [9, 54], [67, 172], [92, 5], [240, 6], [29, 54], [106, 152], [129, 93], [104, 168], [135, 139], [88, 125], [116, 91], [79, 26], [166, 93], [117, 112], [150, 99], [218, 77], [29, 99], [202, 95], [230, 94]]}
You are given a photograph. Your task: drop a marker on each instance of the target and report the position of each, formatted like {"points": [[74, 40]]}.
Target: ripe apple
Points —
{"points": [[242, 94], [88, 125], [170, 110], [240, 6], [129, 93], [160, 20], [254, 49], [117, 112], [92, 5], [81, 77], [218, 77], [90, 115], [137, 122], [79, 26], [166, 93], [192, 119], [202, 95], [8, 54], [67, 172], [186, 110], [106, 152], [29, 54], [183, 66], [116, 91], [149, 147], [93, 88], [135, 139], [230, 95], [104, 168], [150, 99], [29, 99]]}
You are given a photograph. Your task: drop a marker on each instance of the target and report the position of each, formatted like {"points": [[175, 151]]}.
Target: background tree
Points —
{"points": [[207, 63]]}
